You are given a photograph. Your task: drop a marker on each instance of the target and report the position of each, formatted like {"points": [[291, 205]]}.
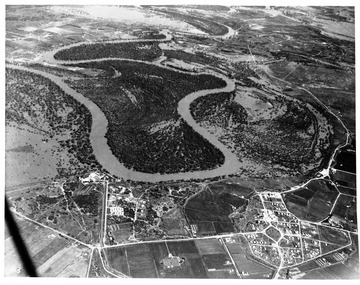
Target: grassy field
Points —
{"points": [[327, 247], [233, 188], [174, 222], [333, 235], [123, 232]]}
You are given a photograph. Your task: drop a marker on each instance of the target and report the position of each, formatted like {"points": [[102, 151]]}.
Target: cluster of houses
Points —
{"points": [[124, 195]]}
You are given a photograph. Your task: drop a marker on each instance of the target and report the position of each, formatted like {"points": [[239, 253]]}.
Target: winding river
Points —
{"points": [[98, 140]]}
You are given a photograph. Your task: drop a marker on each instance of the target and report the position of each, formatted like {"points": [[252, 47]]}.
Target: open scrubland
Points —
{"points": [[70, 208], [260, 127], [47, 131]]}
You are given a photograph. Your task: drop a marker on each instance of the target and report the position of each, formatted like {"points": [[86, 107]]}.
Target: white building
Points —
{"points": [[116, 211], [93, 177]]}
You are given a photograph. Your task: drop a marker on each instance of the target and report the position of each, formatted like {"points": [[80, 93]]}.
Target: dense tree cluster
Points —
{"points": [[146, 95], [146, 51], [296, 116], [242, 72], [45, 200], [171, 150], [152, 35], [204, 108], [88, 203]]}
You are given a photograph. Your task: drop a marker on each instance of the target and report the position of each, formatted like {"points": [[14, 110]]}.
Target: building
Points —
{"points": [[116, 211], [194, 229], [172, 261], [93, 177]]}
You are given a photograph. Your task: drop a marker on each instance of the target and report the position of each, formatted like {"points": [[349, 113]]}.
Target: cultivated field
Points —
{"points": [[202, 259], [52, 255], [313, 202]]}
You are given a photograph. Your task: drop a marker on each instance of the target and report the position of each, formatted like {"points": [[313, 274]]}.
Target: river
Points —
{"points": [[98, 140]]}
